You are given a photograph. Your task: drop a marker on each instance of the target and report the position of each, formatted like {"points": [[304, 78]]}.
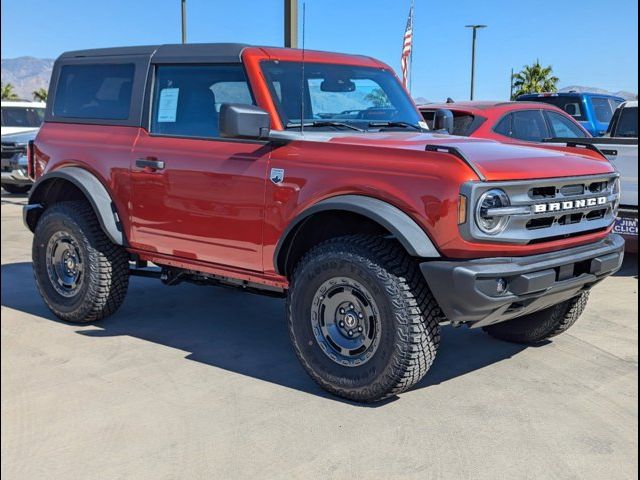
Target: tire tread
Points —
{"points": [[110, 270], [417, 314]]}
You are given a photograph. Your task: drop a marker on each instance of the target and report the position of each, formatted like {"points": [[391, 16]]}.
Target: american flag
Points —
{"points": [[405, 58]]}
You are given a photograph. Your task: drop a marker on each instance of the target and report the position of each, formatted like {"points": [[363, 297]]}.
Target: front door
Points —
{"points": [[196, 195]]}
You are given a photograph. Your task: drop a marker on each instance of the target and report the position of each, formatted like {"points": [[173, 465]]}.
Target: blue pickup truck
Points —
{"points": [[592, 110]]}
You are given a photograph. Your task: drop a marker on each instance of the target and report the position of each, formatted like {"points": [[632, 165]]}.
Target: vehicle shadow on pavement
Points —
{"points": [[236, 331], [629, 266]]}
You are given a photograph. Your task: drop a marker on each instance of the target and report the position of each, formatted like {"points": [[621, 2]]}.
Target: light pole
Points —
{"points": [[184, 20], [473, 54], [291, 23]]}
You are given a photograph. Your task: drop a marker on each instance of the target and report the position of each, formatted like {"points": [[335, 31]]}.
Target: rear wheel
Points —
{"points": [[16, 189], [540, 325], [81, 275], [361, 318]]}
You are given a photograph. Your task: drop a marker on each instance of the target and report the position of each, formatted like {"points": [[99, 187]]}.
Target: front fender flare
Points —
{"points": [[412, 237], [95, 192]]}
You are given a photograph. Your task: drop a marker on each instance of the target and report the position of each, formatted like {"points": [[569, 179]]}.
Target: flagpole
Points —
{"points": [[413, 29]]}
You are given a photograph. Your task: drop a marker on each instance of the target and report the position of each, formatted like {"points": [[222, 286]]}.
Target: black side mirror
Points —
{"points": [[243, 121], [443, 120]]}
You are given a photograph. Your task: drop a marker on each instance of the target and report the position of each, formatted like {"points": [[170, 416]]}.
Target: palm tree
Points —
{"points": [[7, 92], [378, 98], [40, 95], [534, 79]]}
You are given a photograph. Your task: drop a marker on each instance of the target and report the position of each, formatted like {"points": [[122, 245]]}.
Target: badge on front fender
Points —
{"points": [[277, 175]]}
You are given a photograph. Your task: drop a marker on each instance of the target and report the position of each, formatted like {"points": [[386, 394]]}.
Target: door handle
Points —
{"points": [[149, 164]]}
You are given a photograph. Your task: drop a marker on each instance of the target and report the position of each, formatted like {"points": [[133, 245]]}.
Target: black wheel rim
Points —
{"points": [[345, 321], [64, 264]]}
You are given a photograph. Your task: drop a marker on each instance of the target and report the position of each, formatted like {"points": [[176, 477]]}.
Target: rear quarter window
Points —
{"points": [[603, 109], [101, 92]]}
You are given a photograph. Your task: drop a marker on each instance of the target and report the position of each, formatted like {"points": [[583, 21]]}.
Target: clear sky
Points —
{"points": [[588, 42]]}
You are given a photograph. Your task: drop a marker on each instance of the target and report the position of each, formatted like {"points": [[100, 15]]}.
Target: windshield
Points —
{"points": [[22, 116], [339, 96]]}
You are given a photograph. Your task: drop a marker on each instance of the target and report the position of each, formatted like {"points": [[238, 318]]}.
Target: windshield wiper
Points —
{"points": [[323, 123], [395, 124]]}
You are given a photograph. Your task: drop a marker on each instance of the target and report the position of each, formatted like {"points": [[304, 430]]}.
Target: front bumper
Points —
{"points": [[467, 291], [17, 176]]}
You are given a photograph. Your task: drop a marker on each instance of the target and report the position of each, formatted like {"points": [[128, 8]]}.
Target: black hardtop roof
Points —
{"points": [[189, 52]]}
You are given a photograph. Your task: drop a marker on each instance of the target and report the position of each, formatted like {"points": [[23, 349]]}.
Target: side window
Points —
{"points": [[504, 126], [100, 91], [463, 123], [187, 98], [429, 116], [563, 127], [529, 125], [602, 109]]}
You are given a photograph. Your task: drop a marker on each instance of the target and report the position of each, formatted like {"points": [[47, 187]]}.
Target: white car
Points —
{"points": [[21, 116], [621, 148]]}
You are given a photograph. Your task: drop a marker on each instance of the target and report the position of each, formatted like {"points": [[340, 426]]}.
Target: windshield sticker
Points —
{"points": [[168, 104]]}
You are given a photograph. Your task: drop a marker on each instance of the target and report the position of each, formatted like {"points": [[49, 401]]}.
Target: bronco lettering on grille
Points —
{"points": [[569, 205]]}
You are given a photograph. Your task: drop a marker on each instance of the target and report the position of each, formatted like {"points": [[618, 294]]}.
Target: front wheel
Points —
{"points": [[361, 318], [539, 326], [81, 275]]}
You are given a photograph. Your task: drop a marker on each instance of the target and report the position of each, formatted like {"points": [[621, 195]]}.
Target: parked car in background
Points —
{"points": [[620, 146], [21, 116], [592, 110], [507, 122], [13, 166]]}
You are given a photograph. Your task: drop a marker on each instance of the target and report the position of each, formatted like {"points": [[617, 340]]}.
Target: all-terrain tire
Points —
{"points": [[539, 326], [16, 189], [409, 330], [102, 283]]}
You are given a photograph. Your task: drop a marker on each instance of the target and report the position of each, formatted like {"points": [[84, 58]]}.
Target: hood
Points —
{"points": [[20, 137], [489, 159]]}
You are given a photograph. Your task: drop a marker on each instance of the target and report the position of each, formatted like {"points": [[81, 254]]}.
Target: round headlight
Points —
{"points": [[490, 200]]}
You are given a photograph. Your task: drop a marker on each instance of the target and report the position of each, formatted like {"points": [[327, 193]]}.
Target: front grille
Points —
{"points": [[9, 150], [549, 209]]}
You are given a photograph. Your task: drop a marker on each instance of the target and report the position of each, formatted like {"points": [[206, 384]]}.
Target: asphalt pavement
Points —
{"points": [[191, 382]]}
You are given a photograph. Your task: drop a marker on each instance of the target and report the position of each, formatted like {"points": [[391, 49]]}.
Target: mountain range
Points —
{"points": [[27, 74], [622, 93]]}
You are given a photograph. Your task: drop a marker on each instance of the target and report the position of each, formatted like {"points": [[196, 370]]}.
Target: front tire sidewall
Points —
{"points": [[78, 307], [354, 379]]}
